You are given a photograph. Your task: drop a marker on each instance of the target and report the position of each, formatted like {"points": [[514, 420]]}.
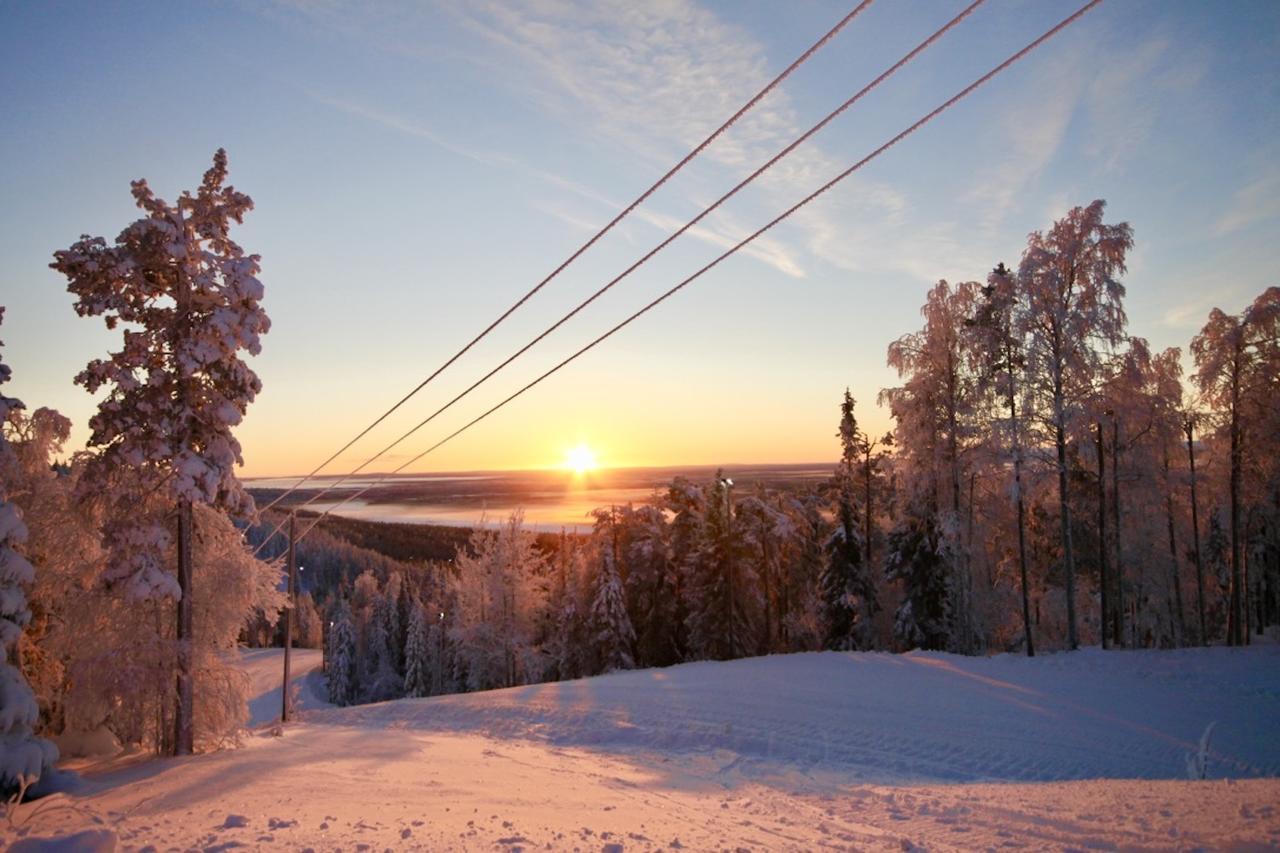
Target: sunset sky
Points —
{"points": [[418, 167]]}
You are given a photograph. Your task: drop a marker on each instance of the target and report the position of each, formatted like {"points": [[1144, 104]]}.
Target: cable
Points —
{"points": [[672, 237], [1061, 25], [786, 72]]}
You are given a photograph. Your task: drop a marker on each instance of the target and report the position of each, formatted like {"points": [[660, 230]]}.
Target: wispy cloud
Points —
{"points": [[1256, 202], [1030, 133]]}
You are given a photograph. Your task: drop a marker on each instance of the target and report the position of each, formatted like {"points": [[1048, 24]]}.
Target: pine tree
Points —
{"points": [[189, 297], [916, 556], [611, 629], [23, 756], [848, 592], [998, 349], [381, 680], [652, 586], [417, 676], [341, 671], [722, 598]]}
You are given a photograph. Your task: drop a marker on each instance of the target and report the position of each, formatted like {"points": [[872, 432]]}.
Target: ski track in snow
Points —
{"points": [[900, 719], [796, 752]]}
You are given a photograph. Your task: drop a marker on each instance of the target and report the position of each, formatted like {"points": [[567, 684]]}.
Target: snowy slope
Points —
{"points": [[796, 752], [920, 717]]}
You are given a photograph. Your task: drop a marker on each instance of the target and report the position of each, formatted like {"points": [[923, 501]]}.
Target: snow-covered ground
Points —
{"points": [[1086, 750], [265, 668]]}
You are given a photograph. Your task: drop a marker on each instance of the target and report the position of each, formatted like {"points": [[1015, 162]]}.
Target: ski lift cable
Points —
{"points": [[786, 72], [950, 102], [857, 96]]}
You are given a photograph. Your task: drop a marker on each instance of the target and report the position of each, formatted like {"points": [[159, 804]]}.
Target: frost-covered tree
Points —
{"points": [[1072, 310], [1238, 372], [723, 599], [501, 595], [769, 535], [934, 415], [340, 671], [999, 364], [310, 628], [612, 635], [23, 756], [917, 556], [848, 593], [417, 674], [652, 586], [189, 300], [381, 681]]}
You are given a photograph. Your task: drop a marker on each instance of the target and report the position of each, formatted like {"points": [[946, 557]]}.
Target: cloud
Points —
{"points": [[1029, 135], [1256, 202], [652, 75], [1131, 89]]}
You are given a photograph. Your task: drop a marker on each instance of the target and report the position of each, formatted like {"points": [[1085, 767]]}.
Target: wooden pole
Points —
{"points": [[288, 616]]}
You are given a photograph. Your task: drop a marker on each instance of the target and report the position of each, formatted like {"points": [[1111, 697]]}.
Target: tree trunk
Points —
{"points": [[1068, 557], [1179, 626], [184, 718], [1022, 523], [1104, 581], [1235, 632], [1115, 518], [867, 507], [1195, 531]]}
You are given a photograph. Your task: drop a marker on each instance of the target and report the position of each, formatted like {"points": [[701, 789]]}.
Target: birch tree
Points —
{"points": [[1071, 313]]}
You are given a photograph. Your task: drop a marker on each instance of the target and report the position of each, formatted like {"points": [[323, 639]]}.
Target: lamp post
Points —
{"points": [[727, 484]]}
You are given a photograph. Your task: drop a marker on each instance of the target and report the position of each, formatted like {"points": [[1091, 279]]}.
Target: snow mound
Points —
{"points": [[901, 719]]}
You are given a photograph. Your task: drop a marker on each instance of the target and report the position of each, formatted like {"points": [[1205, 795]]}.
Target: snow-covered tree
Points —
{"points": [[612, 635], [934, 415], [501, 594], [1072, 309], [769, 535], [1238, 372], [381, 681], [340, 671], [189, 300], [23, 756], [652, 586], [999, 364], [848, 593], [917, 557], [417, 663], [309, 626], [723, 599]]}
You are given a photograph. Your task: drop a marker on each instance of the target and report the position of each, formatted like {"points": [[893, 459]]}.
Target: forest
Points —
{"points": [[1049, 482], [1020, 395]]}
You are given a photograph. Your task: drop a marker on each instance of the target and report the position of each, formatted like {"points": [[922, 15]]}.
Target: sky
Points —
{"points": [[417, 167]]}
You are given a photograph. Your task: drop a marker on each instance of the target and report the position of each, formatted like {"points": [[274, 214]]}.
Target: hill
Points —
{"points": [[785, 752]]}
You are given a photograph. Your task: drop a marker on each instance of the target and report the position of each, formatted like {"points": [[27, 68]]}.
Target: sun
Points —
{"points": [[580, 459]]}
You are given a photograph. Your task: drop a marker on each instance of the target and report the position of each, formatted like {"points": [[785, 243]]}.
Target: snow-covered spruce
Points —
{"points": [[23, 756], [189, 299]]}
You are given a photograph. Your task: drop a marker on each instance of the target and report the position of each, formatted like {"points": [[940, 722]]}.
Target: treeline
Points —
{"points": [[1049, 481], [1050, 465]]}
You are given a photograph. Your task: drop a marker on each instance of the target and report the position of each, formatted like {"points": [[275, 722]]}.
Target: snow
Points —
{"points": [[1083, 750], [265, 669]]}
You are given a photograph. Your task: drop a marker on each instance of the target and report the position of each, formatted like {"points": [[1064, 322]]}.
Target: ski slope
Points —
{"points": [[802, 752]]}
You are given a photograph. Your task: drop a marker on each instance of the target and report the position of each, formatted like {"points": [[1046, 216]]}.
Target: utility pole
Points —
{"points": [[288, 616]]}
